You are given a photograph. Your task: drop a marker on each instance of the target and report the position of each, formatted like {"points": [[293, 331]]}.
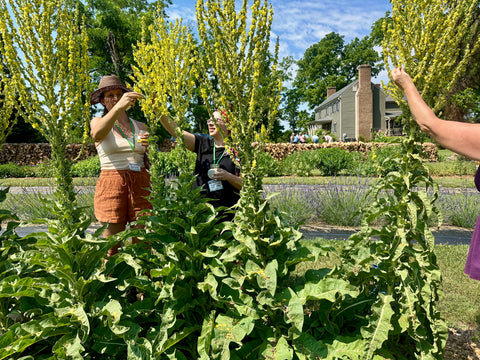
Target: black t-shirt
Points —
{"points": [[204, 146]]}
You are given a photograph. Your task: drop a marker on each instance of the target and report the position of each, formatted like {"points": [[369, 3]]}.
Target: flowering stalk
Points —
{"points": [[7, 100], [44, 45], [428, 39], [165, 73], [236, 51], [424, 37]]}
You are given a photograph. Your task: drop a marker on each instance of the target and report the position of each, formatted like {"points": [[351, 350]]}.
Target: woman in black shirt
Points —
{"points": [[215, 170]]}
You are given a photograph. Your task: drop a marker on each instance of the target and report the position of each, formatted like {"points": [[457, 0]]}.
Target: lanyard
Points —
{"points": [[214, 152], [132, 144]]}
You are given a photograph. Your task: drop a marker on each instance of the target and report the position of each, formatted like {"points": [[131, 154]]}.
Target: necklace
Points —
{"points": [[132, 144]]}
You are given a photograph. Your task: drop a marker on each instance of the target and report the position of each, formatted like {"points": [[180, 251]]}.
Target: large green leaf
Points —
{"points": [[379, 325], [281, 350], [326, 289]]}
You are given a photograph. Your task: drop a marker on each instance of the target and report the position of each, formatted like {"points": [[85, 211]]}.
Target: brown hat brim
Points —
{"points": [[97, 94]]}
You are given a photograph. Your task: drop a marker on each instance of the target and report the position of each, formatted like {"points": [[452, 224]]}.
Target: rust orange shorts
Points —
{"points": [[120, 195]]}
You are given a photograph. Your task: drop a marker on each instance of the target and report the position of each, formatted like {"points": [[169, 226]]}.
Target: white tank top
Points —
{"points": [[115, 152]]}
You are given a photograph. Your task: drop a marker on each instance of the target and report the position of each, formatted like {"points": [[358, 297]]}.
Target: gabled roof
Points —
{"points": [[339, 93], [336, 95]]}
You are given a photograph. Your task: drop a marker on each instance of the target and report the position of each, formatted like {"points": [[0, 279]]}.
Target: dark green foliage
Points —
{"points": [[267, 165], [15, 171], [87, 168], [331, 161], [169, 163], [301, 163]]}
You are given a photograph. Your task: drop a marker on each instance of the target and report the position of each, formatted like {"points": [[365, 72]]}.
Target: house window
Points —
{"points": [[338, 105], [334, 127], [326, 111]]}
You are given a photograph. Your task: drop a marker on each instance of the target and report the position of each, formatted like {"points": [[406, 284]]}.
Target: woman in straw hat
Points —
{"points": [[121, 189]]}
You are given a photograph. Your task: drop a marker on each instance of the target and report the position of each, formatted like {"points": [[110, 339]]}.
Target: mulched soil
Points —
{"points": [[462, 345]]}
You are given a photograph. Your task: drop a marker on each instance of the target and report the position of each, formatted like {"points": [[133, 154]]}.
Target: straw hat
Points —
{"points": [[107, 83]]}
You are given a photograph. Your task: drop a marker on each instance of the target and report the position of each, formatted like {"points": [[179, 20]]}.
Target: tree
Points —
{"points": [[7, 118], [331, 62], [113, 28]]}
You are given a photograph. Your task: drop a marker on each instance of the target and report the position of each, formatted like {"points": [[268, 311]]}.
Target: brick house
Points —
{"points": [[357, 110]]}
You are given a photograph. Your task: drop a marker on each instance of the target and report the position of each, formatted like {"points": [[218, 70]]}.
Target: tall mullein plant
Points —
{"points": [[236, 47], [165, 74], [45, 49], [7, 101], [401, 270]]}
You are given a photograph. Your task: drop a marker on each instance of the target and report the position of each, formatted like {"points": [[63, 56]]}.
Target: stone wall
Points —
{"points": [[281, 151], [32, 154]]}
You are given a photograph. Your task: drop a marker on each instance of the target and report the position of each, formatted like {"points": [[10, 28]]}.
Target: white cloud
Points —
{"points": [[304, 23]]}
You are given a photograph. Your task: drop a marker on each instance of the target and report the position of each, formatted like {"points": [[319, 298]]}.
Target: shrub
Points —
{"points": [[376, 164], [169, 162], [449, 168], [87, 168], [459, 208], [267, 165], [44, 169], [299, 163], [292, 202], [331, 161], [12, 170]]}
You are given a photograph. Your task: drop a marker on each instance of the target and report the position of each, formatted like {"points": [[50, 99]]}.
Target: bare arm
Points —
{"points": [[170, 126], [462, 138]]}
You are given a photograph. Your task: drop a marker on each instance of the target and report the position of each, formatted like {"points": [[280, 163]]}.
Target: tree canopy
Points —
{"points": [[331, 62], [114, 26]]}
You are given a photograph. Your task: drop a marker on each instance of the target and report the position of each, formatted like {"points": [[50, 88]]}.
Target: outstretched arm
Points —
{"points": [[170, 126], [462, 138]]}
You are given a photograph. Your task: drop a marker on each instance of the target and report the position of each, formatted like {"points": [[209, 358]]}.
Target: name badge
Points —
{"points": [[215, 185], [135, 167]]}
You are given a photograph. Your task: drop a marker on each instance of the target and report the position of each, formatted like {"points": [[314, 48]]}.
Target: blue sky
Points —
{"points": [[302, 23]]}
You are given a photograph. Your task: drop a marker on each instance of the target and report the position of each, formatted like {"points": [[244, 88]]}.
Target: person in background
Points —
{"points": [[462, 138], [122, 188], [216, 173], [327, 138], [302, 139], [294, 138]]}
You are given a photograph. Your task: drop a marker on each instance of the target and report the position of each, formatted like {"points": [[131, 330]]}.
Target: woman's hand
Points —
{"points": [[221, 174], [224, 175], [128, 99], [142, 138], [401, 78]]}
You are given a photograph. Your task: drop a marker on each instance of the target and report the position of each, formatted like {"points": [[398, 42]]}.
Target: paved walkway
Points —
{"points": [[446, 235]]}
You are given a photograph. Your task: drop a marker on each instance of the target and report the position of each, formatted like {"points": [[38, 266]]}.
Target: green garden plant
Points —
{"points": [[43, 44]]}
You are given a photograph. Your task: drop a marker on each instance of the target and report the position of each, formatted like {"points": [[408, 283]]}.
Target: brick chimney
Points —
{"points": [[364, 103], [331, 90]]}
